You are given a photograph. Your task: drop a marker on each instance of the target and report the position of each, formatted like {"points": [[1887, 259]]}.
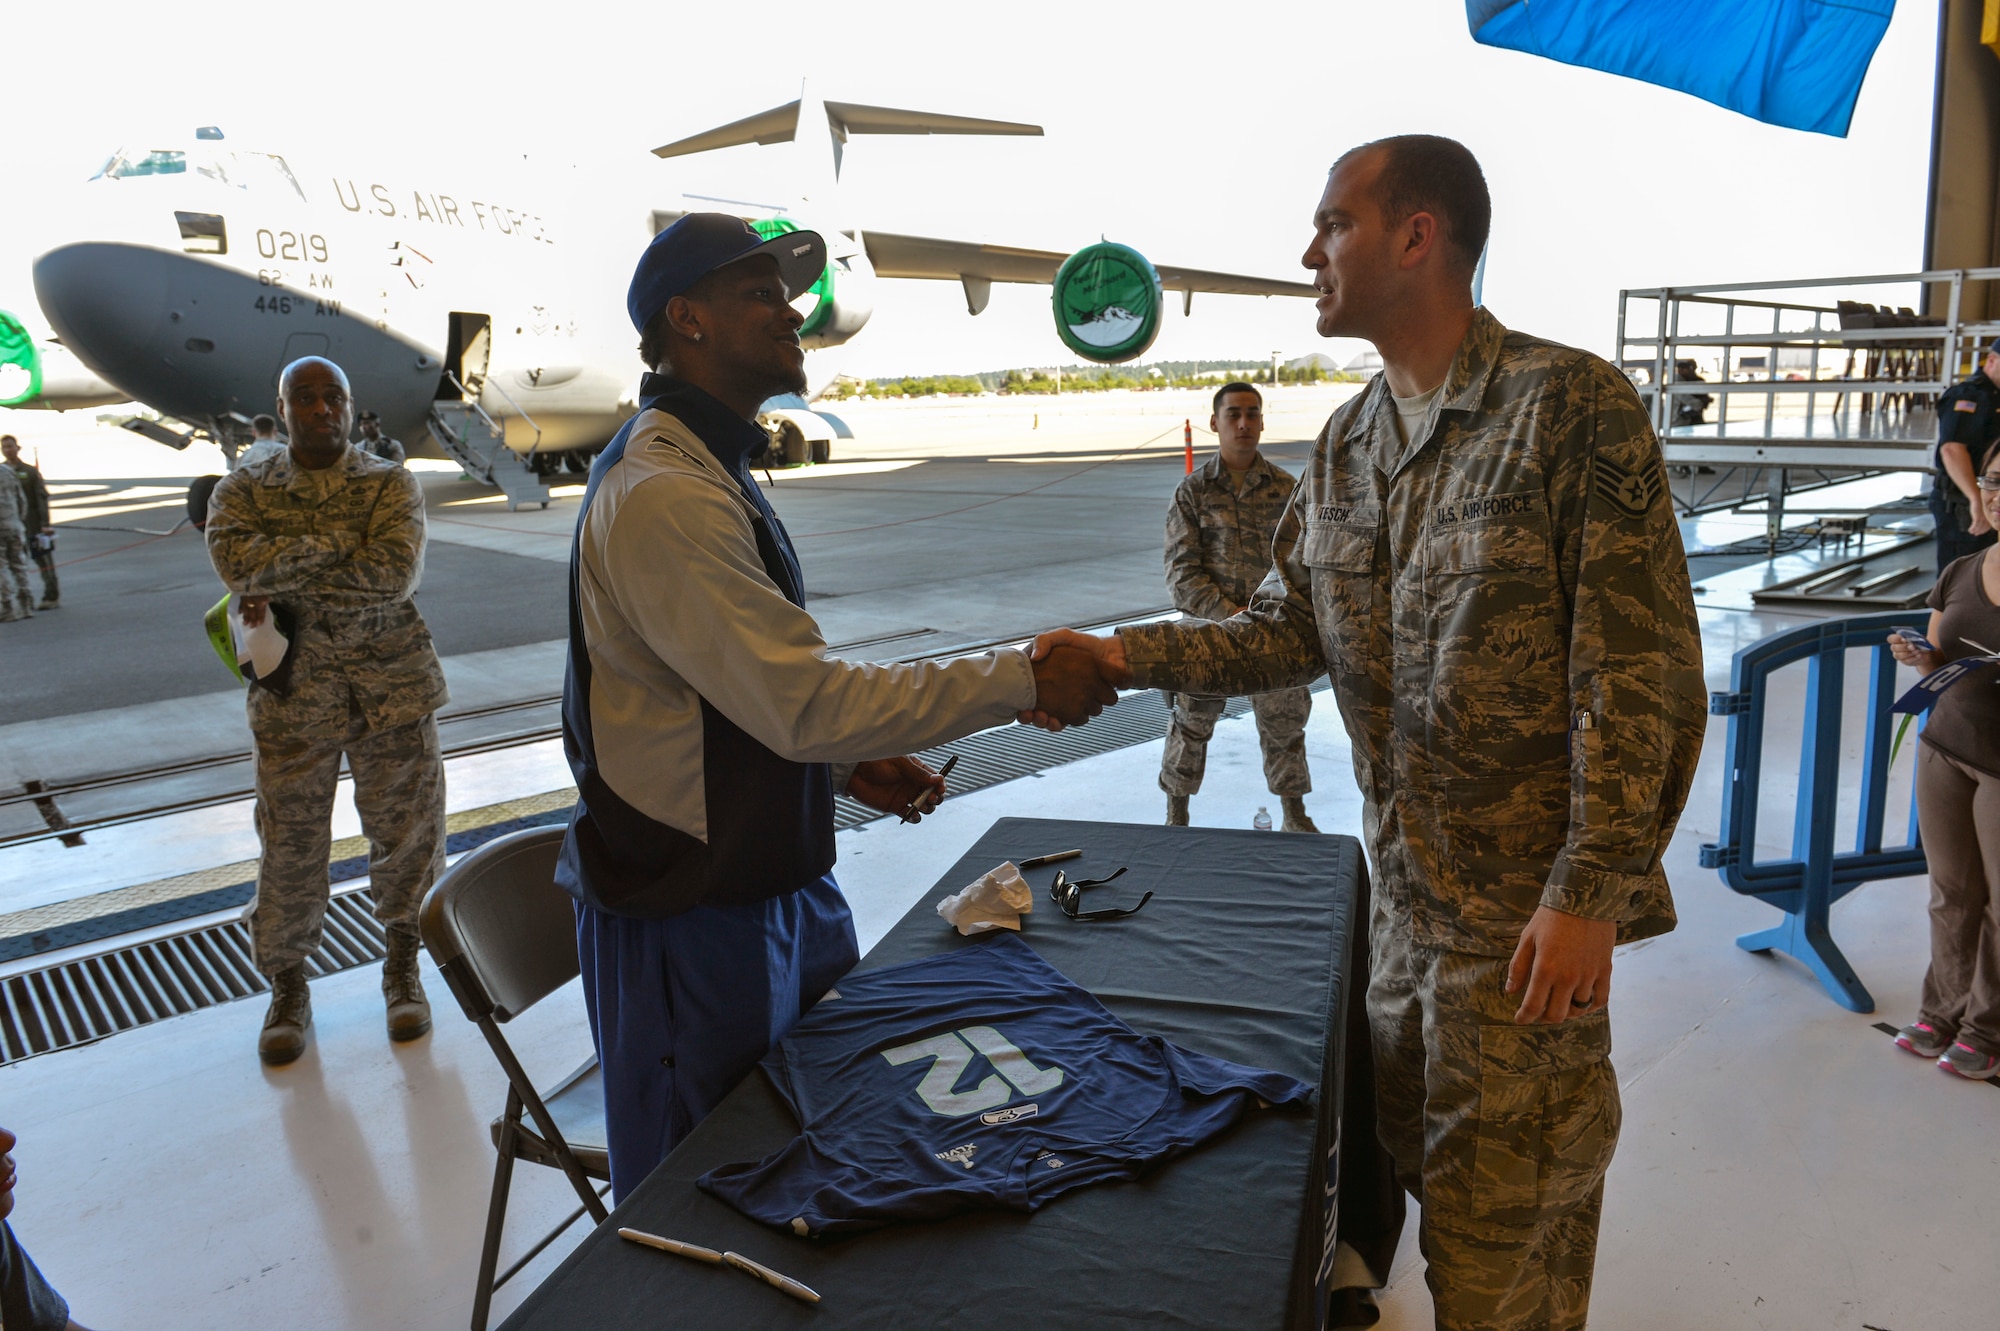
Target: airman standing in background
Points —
{"points": [[41, 534], [1219, 529], [17, 601], [330, 540], [374, 441], [264, 443]]}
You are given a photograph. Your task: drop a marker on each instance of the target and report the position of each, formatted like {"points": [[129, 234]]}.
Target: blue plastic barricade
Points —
{"points": [[1805, 885]]}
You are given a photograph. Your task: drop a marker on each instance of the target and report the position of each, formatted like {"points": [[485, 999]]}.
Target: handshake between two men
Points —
{"points": [[1076, 677]]}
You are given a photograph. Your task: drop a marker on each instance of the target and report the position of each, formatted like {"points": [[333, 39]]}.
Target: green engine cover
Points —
{"points": [[1107, 302], [20, 363], [821, 291]]}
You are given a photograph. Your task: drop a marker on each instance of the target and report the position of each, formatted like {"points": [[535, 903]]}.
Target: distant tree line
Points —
{"points": [[1089, 379]]}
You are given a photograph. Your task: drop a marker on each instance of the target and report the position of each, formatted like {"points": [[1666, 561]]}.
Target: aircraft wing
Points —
{"points": [[780, 124], [955, 260]]}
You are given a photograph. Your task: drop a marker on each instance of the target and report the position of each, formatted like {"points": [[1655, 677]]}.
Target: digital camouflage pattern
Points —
{"points": [[1281, 733], [16, 600], [1512, 641], [399, 793], [1218, 549], [35, 516], [1523, 568], [343, 550], [1502, 1133], [1219, 542]]}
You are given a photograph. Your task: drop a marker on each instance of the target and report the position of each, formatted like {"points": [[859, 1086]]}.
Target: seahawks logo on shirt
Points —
{"points": [[1630, 492]]}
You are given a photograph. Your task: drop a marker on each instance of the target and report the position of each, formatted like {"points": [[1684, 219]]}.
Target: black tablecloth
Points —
{"points": [[1251, 950]]}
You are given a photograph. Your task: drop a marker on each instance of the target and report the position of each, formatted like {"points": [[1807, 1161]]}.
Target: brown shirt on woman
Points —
{"points": [[1965, 724]]}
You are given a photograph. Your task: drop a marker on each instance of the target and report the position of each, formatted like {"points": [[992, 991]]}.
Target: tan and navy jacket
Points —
{"points": [[706, 722]]}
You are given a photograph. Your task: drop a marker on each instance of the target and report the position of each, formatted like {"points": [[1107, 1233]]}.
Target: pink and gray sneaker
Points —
{"points": [[1969, 1063], [1922, 1039]]}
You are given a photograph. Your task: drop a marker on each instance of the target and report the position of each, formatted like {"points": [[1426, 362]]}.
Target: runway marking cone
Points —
{"points": [[1187, 438]]}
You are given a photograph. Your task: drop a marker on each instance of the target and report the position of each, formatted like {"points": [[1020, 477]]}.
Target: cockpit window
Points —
{"points": [[203, 233], [158, 162], [240, 170], [273, 166]]}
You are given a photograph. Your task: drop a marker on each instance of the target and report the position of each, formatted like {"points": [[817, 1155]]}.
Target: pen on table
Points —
{"points": [[1039, 860], [674, 1246], [770, 1277], [924, 802]]}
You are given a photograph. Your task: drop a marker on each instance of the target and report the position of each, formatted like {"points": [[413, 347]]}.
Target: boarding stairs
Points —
{"points": [[478, 444]]}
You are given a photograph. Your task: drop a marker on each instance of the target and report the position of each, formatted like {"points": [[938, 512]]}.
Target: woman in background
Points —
{"points": [[1958, 810]]}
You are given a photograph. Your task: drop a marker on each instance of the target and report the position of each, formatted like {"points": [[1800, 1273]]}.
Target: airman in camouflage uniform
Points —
{"points": [[16, 600], [1218, 549], [341, 546], [1511, 634], [1501, 597]]}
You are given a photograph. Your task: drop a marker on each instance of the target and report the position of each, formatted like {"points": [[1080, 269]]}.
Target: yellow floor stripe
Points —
{"points": [[38, 918]]}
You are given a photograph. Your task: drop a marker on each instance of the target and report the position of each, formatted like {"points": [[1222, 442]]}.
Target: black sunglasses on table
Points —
{"points": [[1068, 896]]}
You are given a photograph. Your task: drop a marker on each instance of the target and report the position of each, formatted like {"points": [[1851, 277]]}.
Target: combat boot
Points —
{"points": [[402, 989], [1177, 811], [1295, 814], [284, 1036]]}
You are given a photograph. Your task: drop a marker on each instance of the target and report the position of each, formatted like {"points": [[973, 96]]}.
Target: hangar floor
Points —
{"points": [[1782, 1166]]}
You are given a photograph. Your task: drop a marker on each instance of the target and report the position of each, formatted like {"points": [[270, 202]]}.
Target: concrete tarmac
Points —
{"points": [[944, 522]]}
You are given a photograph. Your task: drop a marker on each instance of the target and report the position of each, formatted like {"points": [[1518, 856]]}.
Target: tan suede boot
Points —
{"points": [[1177, 811], [402, 988], [1295, 814], [290, 1017]]}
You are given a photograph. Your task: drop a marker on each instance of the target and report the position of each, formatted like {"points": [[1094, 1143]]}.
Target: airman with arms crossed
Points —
{"points": [[335, 537]]}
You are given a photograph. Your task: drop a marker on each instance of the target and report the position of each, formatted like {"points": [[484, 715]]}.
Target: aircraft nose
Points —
{"points": [[107, 302]]}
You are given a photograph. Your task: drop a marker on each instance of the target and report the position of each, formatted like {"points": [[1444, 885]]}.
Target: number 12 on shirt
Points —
{"points": [[954, 1052]]}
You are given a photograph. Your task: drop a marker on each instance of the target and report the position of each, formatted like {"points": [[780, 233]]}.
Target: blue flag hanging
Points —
{"points": [[1796, 63]]}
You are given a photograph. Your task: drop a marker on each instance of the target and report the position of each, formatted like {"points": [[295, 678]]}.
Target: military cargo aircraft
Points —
{"points": [[458, 307]]}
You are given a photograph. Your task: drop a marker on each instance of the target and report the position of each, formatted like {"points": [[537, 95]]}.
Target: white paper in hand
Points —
{"points": [[261, 648], [997, 901]]}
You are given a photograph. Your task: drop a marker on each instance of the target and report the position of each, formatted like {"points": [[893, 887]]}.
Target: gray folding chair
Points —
{"points": [[505, 937]]}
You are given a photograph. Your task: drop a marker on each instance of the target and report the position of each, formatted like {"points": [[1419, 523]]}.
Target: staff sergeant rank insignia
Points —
{"points": [[1630, 492]]}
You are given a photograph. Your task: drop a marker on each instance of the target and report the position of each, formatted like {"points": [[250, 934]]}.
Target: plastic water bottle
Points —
{"points": [[1262, 822]]}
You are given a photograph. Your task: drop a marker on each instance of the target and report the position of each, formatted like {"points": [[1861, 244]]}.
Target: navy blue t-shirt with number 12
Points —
{"points": [[977, 1078]]}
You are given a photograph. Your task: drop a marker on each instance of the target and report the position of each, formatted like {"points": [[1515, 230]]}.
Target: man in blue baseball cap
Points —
{"points": [[707, 726]]}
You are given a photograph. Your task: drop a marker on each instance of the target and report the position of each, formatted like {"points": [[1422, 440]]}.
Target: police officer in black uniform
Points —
{"points": [[1968, 423]]}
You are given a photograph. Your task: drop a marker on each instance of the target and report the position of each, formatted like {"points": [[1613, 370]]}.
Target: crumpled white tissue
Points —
{"points": [[997, 901]]}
